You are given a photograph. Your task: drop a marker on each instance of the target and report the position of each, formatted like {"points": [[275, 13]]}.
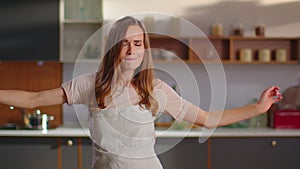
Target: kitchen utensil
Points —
{"points": [[39, 121]]}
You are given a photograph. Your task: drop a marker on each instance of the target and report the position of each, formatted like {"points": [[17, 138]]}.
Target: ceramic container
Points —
{"points": [[246, 55], [264, 55], [280, 55]]}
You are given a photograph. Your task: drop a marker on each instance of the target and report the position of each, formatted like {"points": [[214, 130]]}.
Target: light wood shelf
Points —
{"points": [[191, 49]]}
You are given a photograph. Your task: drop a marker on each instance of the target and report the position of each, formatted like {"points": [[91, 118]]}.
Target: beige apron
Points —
{"points": [[123, 138]]}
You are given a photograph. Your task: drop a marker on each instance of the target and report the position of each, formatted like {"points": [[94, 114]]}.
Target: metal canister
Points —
{"points": [[264, 55], [280, 55], [246, 55], [217, 29]]}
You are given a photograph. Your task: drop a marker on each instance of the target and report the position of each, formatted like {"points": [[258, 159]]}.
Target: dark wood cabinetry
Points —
{"points": [[30, 76]]}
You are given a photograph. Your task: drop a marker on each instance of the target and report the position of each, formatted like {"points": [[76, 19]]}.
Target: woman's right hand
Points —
{"points": [[268, 97]]}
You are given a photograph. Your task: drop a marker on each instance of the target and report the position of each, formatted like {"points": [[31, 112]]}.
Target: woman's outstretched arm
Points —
{"points": [[25, 99], [226, 117]]}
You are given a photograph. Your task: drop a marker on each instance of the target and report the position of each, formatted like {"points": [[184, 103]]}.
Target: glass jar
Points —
{"points": [[217, 29], [238, 29], [260, 30]]}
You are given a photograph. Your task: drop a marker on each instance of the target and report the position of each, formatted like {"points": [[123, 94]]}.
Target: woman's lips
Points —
{"points": [[131, 58]]}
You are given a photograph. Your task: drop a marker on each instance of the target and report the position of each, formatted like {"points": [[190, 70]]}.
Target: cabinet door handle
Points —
{"points": [[274, 143], [40, 63], [69, 142]]}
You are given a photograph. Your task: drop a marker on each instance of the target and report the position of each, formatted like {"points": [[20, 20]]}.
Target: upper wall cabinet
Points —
{"points": [[230, 50], [79, 19], [29, 30]]}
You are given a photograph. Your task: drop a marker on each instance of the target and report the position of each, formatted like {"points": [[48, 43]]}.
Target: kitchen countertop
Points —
{"points": [[67, 131]]}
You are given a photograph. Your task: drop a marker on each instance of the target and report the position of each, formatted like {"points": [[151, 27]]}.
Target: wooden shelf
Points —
{"points": [[85, 60], [258, 62], [160, 61], [210, 49], [77, 21]]}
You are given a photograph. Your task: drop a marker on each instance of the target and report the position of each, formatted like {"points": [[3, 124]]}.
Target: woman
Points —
{"points": [[123, 98]]}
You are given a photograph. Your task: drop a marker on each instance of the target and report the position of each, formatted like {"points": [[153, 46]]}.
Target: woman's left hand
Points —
{"points": [[268, 97]]}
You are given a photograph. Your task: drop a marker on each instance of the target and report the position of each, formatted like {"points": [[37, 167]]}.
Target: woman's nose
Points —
{"points": [[131, 49]]}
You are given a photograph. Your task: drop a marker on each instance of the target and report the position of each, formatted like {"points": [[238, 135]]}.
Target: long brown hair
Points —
{"points": [[109, 70]]}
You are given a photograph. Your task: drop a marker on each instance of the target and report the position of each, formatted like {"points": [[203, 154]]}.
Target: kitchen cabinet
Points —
{"points": [[76, 153], [29, 30], [69, 152], [65, 148], [87, 153], [188, 153], [30, 76], [190, 49], [46, 153], [28, 153], [259, 153], [78, 21]]}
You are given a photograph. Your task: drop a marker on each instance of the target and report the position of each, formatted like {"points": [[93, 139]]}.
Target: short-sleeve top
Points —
{"points": [[79, 90]]}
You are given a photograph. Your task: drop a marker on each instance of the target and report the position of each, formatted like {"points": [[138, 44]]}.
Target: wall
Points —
{"points": [[281, 17], [244, 82]]}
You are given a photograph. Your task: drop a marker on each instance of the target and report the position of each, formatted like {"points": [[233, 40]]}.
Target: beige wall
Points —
{"points": [[281, 17]]}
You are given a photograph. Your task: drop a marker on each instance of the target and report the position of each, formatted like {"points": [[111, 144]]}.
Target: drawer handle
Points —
{"points": [[69, 142], [274, 143]]}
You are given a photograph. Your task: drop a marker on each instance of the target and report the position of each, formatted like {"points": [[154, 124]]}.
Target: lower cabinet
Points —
{"points": [[174, 153], [258, 153], [179, 153], [69, 153], [87, 153], [45, 153], [28, 153], [76, 153]]}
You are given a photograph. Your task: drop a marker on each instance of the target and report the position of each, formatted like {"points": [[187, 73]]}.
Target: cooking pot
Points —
{"points": [[38, 121]]}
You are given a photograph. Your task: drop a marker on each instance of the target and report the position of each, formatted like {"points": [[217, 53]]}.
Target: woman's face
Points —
{"points": [[132, 52]]}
